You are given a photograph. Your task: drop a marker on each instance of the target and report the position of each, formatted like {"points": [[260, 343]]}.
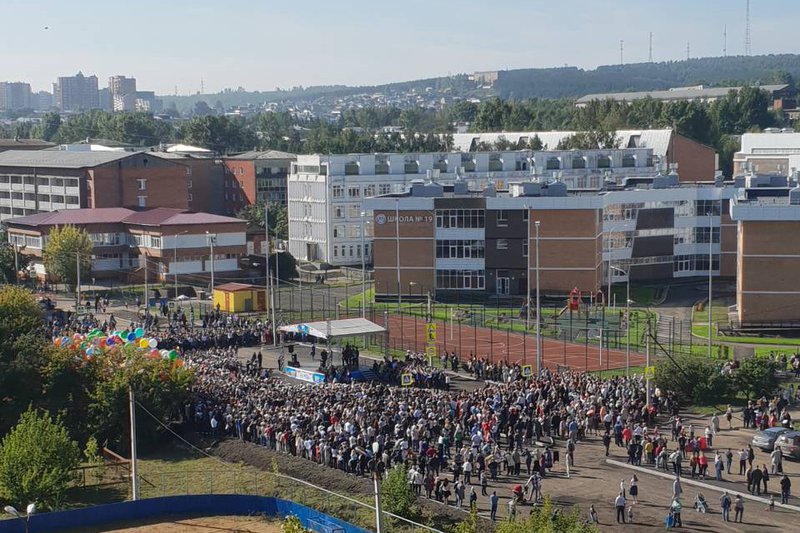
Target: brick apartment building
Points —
{"points": [[173, 241], [256, 177], [45, 180]]}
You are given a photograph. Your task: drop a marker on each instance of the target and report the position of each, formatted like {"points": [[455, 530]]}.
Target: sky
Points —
{"points": [[170, 45]]}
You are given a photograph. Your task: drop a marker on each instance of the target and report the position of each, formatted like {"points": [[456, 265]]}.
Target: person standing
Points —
{"points": [[606, 441], [725, 505], [634, 489], [786, 488], [756, 475], [776, 458], [493, 505], [593, 519], [677, 490], [619, 504], [676, 508], [742, 461], [728, 460], [738, 507], [764, 477]]}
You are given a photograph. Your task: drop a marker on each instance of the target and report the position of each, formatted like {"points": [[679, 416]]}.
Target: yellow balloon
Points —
{"points": [[144, 343]]}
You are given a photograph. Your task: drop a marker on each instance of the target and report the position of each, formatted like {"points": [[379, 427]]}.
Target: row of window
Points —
{"points": [[461, 279], [337, 191], [502, 244], [460, 249], [696, 262], [31, 180], [25, 240], [460, 218], [353, 211], [32, 197], [351, 250]]}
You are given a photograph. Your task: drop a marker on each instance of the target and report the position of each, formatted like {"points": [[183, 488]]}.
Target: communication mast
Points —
{"points": [[748, 49]]}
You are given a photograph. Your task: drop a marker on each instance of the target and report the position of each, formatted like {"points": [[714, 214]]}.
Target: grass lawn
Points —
{"points": [[719, 314]]}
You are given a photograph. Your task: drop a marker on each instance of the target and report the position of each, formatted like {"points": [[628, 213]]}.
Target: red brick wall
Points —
{"points": [[115, 185], [696, 162], [242, 174]]}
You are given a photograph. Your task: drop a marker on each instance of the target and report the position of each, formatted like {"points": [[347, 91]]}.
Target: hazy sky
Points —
{"points": [[261, 44]]}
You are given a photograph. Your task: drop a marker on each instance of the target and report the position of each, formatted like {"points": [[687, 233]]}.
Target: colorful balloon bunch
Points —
{"points": [[96, 343]]}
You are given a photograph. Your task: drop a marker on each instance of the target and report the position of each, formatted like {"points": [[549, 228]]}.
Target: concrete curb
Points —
{"points": [[707, 486]]}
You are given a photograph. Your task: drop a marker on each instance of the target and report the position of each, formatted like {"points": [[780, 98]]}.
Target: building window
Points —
{"points": [[351, 250], [705, 208], [525, 248], [338, 191], [459, 249], [525, 214], [460, 218], [578, 162], [603, 161], [335, 251], [338, 212], [628, 161], [189, 184], [141, 201], [460, 279], [553, 163], [369, 190], [354, 192], [155, 242], [141, 185], [502, 244], [354, 211], [384, 188], [502, 217], [190, 197]]}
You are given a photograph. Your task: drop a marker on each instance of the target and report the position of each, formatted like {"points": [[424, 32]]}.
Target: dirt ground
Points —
{"points": [[203, 524]]}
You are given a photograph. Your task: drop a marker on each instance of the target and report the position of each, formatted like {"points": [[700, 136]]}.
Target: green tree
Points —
{"points": [[470, 525], [292, 524], [49, 126], [9, 260], [396, 493], [66, 246], [254, 215], [756, 377], [37, 459], [695, 379]]}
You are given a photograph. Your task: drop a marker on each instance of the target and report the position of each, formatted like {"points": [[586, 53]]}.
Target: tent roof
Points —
{"points": [[348, 327]]}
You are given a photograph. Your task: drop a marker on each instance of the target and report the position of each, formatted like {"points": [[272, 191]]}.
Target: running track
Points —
{"points": [[409, 333]]}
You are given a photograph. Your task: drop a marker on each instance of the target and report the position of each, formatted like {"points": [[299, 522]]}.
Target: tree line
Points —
{"points": [[376, 129]]}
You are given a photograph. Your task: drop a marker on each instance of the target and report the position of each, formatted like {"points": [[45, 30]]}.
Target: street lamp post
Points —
{"points": [[363, 268], [175, 260], [26, 518], [627, 319], [528, 272], [538, 308], [211, 241]]}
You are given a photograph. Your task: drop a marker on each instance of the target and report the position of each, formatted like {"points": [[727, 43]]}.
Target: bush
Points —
{"points": [[694, 379], [292, 524], [397, 495], [37, 459], [546, 519]]}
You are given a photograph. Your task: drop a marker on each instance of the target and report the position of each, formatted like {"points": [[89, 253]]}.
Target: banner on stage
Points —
{"points": [[304, 375]]}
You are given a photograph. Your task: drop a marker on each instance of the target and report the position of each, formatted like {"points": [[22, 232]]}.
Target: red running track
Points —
{"points": [[410, 333]]}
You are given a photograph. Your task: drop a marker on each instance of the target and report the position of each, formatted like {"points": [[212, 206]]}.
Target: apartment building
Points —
{"points": [[256, 177], [768, 248], [123, 93], [774, 152], [174, 241], [41, 181], [15, 96], [326, 192], [444, 238], [77, 93]]}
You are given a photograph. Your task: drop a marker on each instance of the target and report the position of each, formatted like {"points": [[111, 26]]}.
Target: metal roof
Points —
{"points": [[160, 216], [61, 159], [11, 143], [268, 154], [348, 327], [682, 93], [236, 287]]}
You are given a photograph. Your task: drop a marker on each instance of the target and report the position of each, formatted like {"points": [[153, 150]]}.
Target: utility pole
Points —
{"points": [[528, 273], [397, 251], [363, 268], [134, 466], [710, 278], [647, 361], [378, 509], [538, 308], [146, 285], [77, 280], [269, 276]]}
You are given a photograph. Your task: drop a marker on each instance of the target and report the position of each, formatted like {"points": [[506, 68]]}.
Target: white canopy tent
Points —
{"points": [[348, 327]]}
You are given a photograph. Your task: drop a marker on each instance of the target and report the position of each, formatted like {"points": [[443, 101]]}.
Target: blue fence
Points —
{"points": [[150, 510]]}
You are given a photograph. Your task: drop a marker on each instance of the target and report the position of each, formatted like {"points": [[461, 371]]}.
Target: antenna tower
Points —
{"points": [[621, 52], [688, 50], [202, 86], [748, 49], [650, 51], [725, 41]]}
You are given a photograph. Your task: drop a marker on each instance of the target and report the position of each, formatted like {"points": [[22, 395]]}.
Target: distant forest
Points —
{"points": [[566, 82]]}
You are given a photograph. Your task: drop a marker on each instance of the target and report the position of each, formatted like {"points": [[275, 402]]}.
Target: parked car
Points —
{"points": [[766, 439], [789, 444]]}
